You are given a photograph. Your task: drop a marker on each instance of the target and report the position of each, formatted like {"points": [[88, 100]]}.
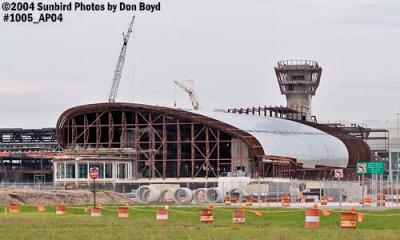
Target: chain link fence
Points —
{"points": [[372, 192]]}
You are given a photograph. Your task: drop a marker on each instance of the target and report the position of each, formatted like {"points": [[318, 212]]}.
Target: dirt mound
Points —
{"points": [[5, 198], [71, 197]]}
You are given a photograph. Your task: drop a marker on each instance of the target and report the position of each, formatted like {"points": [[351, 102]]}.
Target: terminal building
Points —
{"points": [[135, 143], [132, 142], [141, 143]]}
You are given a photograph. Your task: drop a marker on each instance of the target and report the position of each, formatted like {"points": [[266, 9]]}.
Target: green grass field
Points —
{"points": [[276, 223]]}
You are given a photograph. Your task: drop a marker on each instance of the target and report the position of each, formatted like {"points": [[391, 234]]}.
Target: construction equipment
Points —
{"points": [[120, 65], [187, 86]]}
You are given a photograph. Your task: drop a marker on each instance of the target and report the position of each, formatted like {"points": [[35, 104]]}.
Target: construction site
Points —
{"points": [[205, 120], [264, 151]]}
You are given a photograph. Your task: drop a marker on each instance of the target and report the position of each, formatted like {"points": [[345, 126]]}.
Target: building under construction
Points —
{"points": [[26, 154], [134, 143]]}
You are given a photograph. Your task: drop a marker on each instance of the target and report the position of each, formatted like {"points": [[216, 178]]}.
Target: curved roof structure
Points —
{"points": [[185, 115], [282, 137], [309, 144], [357, 148]]}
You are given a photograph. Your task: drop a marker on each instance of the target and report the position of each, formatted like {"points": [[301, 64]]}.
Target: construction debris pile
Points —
{"points": [[71, 197]]}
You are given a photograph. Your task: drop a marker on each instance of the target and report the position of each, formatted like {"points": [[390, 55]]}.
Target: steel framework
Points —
{"points": [[161, 142], [171, 143], [26, 154]]}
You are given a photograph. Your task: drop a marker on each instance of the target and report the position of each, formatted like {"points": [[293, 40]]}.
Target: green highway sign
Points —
{"points": [[370, 167]]}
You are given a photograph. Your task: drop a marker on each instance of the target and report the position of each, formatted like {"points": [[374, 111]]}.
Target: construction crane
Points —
{"points": [[187, 86], [120, 64]]}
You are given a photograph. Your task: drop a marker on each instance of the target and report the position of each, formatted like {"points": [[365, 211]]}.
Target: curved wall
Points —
{"points": [[281, 137]]}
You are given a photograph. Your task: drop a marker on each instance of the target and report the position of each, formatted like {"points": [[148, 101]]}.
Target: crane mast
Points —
{"points": [[189, 90], [120, 65]]}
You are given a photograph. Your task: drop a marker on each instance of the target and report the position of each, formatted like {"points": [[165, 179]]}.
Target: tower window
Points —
{"points": [[297, 77]]}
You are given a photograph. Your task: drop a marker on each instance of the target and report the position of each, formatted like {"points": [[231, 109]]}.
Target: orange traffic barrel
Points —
{"points": [[249, 201], [206, 216], [96, 212], [238, 217], [60, 209], [286, 201], [324, 200], [348, 220], [367, 201], [123, 212], [13, 207], [312, 218], [41, 208], [227, 200], [162, 215]]}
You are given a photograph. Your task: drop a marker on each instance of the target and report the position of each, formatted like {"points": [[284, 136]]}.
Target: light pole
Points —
{"points": [[398, 145], [398, 155], [398, 125]]}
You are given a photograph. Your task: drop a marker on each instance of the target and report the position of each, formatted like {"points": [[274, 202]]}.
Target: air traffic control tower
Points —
{"points": [[298, 81]]}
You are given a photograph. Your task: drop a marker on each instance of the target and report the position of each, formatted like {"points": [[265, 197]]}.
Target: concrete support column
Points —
{"points": [[115, 164], [55, 171], [128, 175], [104, 170], [76, 170], [65, 170]]}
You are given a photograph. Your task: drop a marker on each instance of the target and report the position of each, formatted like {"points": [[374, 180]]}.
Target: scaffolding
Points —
{"points": [[26, 154]]}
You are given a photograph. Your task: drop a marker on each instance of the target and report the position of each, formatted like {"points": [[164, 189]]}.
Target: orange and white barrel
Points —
{"points": [[41, 208], [123, 212], [60, 209], [13, 208], [348, 220], [206, 216], [162, 215], [249, 201], [286, 201], [324, 200], [227, 201], [96, 212], [367, 202], [238, 217], [312, 218]]}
